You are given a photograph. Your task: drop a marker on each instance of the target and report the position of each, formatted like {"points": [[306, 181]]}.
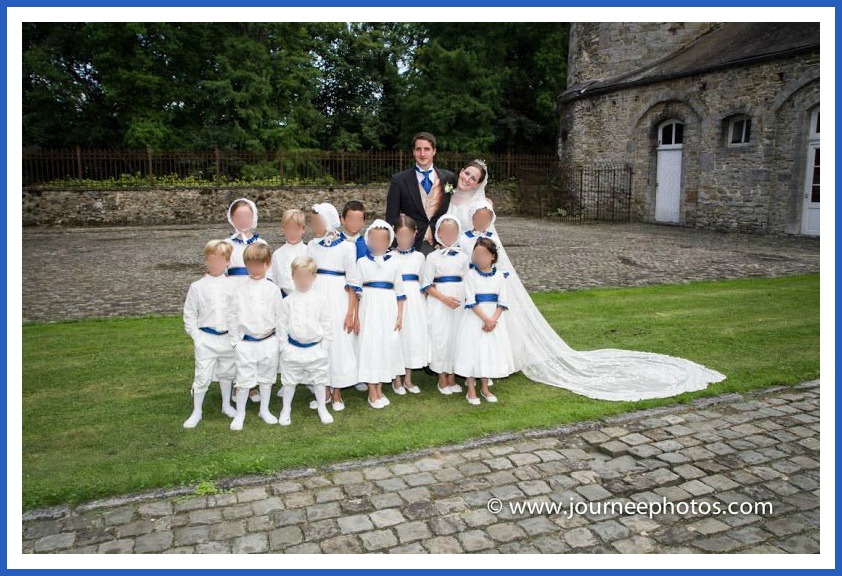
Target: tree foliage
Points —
{"points": [[287, 86]]}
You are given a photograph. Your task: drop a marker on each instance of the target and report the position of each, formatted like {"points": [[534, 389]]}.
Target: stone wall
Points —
{"points": [[47, 208], [752, 187], [606, 49]]}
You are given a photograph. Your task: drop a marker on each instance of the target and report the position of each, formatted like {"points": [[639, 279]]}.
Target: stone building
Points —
{"points": [[719, 122]]}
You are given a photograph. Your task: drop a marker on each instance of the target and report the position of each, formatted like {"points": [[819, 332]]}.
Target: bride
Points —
{"points": [[542, 355]]}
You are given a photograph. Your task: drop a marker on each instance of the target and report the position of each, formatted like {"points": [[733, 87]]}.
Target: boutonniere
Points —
{"points": [[448, 188]]}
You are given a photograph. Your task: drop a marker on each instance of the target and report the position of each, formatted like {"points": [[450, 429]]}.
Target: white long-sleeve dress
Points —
{"points": [[478, 353], [445, 269], [380, 356], [415, 341], [337, 270]]}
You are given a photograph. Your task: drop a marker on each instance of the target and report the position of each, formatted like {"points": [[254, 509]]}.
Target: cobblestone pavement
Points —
{"points": [[758, 448], [128, 271]]}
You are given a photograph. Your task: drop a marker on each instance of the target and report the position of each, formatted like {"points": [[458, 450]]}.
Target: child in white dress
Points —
{"points": [[205, 314], [293, 223], [484, 349], [305, 340], [253, 325], [442, 281], [380, 313], [337, 282], [242, 215], [482, 217], [414, 338]]}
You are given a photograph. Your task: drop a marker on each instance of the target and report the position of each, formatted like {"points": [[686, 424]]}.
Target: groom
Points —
{"points": [[420, 192]]}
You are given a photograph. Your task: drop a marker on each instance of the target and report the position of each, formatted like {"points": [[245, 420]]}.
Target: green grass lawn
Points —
{"points": [[103, 401]]}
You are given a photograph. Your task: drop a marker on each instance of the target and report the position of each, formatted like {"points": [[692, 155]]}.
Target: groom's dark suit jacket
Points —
{"points": [[405, 197]]}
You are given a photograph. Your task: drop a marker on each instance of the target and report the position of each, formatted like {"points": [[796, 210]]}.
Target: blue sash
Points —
{"points": [[487, 298], [442, 279], [330, 272], [386, 285], [248, 338], [411, 277], [238, 271], [208, 330], [295, 342]]}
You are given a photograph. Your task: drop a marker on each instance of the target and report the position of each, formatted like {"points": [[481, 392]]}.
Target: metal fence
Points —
{"points": [[40, 167], [539, 184]]}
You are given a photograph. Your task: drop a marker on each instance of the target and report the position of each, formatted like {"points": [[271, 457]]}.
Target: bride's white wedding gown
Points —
{"points": [[608, 374]]}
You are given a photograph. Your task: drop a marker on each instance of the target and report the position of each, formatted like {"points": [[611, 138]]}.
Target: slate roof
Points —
{"points": [[729, 44]]}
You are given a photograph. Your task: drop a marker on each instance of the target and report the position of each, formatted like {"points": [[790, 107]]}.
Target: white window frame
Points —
{"points": [[732, 124], [672, 146]]}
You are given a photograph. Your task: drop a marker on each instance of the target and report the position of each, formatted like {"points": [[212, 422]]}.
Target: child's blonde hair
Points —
{"points": [[294, 215], [303, 263], [220, 247], [257, 252]]}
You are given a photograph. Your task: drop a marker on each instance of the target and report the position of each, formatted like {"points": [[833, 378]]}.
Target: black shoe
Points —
{"points": [[427, 370]]}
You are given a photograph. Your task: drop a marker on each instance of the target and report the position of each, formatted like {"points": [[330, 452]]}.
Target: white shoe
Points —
{"points": [[446, 390], [229, 411], [280, 393], [194, 419], [237, 423], [314, 405], [489, 397], [325, 417], [268, 418], [338, 406], [284, 420], [376, 404], [413, 389], [361, 387], [384, 401], [455, 389], [490, 382], [472, 401], [400, 390], [254, 397]]}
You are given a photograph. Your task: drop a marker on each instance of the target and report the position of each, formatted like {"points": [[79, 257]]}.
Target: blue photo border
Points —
{"points": [[14, 242]]}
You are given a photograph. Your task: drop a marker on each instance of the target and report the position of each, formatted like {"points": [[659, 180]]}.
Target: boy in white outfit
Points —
{"points": [[205, 320], [253, 326], [305, 333], [293, 223]]}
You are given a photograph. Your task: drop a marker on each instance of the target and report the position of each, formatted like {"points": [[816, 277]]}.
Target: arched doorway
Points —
{"points": [[668, 188], [810, 217]]}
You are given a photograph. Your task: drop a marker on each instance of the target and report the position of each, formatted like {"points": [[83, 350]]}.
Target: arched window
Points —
{"points": [[671, 133], [739, 130]]}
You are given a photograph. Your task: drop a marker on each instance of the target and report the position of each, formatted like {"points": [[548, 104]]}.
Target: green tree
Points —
{"points": [[488, 86]]}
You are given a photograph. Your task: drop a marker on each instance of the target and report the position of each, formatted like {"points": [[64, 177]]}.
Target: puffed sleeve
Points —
{"points": [[399, 289], [352, 277], [429, 272], [191, 311]]}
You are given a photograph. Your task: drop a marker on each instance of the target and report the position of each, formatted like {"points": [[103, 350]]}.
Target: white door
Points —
{"points": [[810, 219], [668, 188]]}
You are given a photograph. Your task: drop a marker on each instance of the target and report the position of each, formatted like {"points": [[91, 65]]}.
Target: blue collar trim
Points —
{"points": [[236, 238]]}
